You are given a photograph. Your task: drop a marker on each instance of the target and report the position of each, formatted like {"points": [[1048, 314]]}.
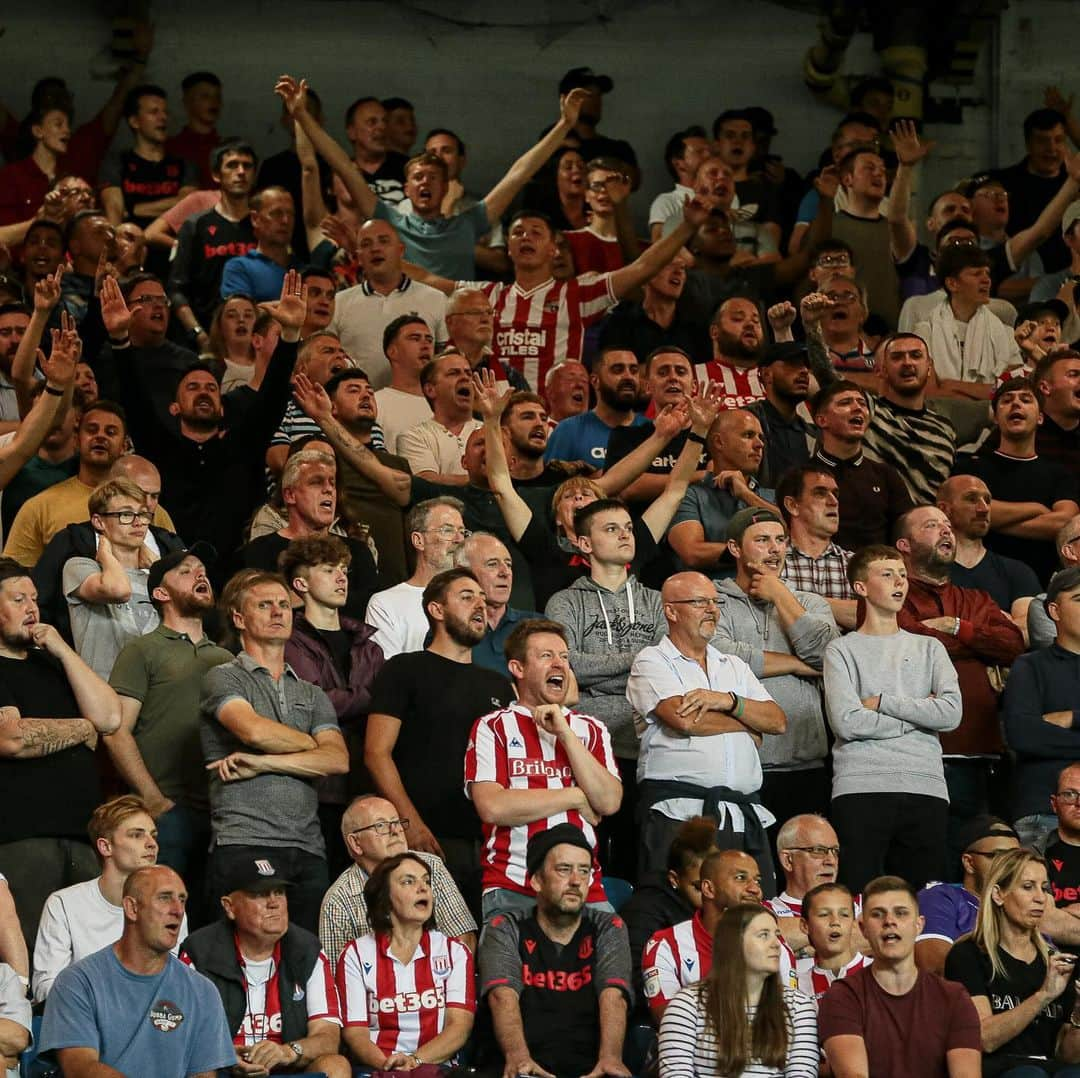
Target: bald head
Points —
{"points": [[364, 810], [140, 471], [144, 881], [1067, 542], [965, 500], [730, 878], [372, 831]]}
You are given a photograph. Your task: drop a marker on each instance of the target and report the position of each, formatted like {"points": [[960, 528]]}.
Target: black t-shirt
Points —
{"points": [[1004, 579], [141, 180], [52, 795], [554, 569], [437, 701], [1029, 479], [971, 967], [1028, 197], [339, 644], [203, 246], [263, 553], [624, 440], [388, 180], [1063, 865], [629, 327]]}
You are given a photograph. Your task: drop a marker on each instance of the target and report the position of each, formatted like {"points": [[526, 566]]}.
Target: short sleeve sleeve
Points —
{"points": [[500, 964], [651, 681], [76, 571], [69, 1020], [131, 673], [352, 987], [111, 172], [323, 715], [965, 1029], [840, 1012], [219, 686], [461, 985], [963, 964], [390, 694], [939, 914], [480, 756]]}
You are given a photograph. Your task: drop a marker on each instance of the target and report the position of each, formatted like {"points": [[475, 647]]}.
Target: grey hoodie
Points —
{"points": [[741, 630], [605, 630]]}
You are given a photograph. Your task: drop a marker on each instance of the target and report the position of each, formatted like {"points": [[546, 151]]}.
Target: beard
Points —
{"points": [[190, 606], [734, 346], [526, 450], [462, 632], [613, 398]]}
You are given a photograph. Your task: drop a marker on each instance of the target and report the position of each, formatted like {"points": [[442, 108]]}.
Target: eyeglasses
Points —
{"points": [[965, 241], [1070, 797], [834, 260], [448, 531], [603, 185], [383, 827], [150, 301], [820, 852], [127, 516], [842, 297], [697, 604], [992, 853]]}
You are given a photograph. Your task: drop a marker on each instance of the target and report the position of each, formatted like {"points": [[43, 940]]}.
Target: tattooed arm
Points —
{"points": [[27, 739]]}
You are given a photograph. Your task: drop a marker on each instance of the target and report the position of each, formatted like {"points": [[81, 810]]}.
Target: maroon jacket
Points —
{"points": [[306, 653], [987, 637]]}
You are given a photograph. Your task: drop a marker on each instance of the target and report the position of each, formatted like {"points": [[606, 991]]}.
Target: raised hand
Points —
{"points": [[312, 398], [827, 182], [1072, 166], [290, 310], [487, 400], [292, 92], [1054, 99], [1024, 334], [670, 420], [59, 367], [52, 209], [813, 306], [910, 150], [47, 291], [339, 232], [570, 105], [781, 317], [618, 188], [704, 408], [696, 210], [114, 310]]}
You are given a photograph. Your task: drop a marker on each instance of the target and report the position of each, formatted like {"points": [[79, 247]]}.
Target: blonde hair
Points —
{"points": [[120, 487], [1005, 870], [107, 818]]}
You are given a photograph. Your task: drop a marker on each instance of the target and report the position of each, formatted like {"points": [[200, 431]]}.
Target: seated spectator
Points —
{"points": [[867, 1019], [15, 1018], [488, 559], [808, 500], [828, 922], [158, 677], [786, 658], [515, 801], [916, 268], [436, 532], [1059, 845], [133, 1007], [107, 594], [309, 491], [1040, 329], [424, 705], [434, 448], [83, 918], [1023, 994], [90, 239], [698, 532], [207, 241], [988, 348], [260, 272], [1035, 707], [784, 370], [682, 953], [696, 1036], [949, 910], [373, 832], [252, 955], [1034, 494], [45, 768], [665, 899], [557, 977], [809, 855], [705, 714], [966, 501], [470, 325], [409, 346], [399, 896], [873, 496], [584, 437], [267, 735], [889, 799]]}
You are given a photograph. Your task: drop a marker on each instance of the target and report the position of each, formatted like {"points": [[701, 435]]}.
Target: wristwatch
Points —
{"points": [[295, 1046]]}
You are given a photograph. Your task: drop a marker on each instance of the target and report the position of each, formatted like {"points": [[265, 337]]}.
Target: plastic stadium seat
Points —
{"points": [[618, 891]]}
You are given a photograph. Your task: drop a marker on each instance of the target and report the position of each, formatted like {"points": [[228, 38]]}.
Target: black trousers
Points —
{"points": [[791, 793], [891, 834]]}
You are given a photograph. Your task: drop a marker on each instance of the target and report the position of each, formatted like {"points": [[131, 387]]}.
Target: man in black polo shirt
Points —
{"points": [[557, 978], [53, 707], [423, 707], [873, 496]]}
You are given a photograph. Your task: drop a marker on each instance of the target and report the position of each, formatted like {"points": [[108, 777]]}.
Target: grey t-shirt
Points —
{"points": [[100, 630], [269, 809]]}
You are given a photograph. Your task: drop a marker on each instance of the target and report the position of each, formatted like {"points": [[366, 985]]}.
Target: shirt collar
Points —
{"points": [[402, 286], [836, 462], [249, 664]]}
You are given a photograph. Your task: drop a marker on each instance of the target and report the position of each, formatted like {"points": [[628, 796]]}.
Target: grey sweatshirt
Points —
{"points": [[896, 748], [748, 628], [605, 630]]}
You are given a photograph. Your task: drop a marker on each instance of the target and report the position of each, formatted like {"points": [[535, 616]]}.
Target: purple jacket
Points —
{"points": [[306, 653]]}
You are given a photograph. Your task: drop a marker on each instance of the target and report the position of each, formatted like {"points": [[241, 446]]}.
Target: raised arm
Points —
{"points": [[491, 405], [294, 95], [311, 194], [529, 163], [910, 150], [1018, 247]]}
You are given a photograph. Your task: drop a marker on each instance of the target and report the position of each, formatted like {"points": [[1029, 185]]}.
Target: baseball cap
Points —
{"points": [[1070, 216], [785, 352], [254, 875], [1034, 309], [543, 842], [167, 562], [585, 76], [747, 518], [969, 186], [980, 827]]}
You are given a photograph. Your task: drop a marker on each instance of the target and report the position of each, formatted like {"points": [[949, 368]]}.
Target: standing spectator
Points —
{"points": [[409, 346], [133, 1007], [196, 141], [423, 707], [784, 370], [83, 918], [373, 832], [514, 756], [267, 735], [370, 971], [737, 339], [557, 978], [705, 714], [260, 271], [742, 1017], [470, 325], [1060, 845], [785, 655], [1059, 435], [888, 692], [275, 983], [684, 152], [365, 127], [53, 707]]}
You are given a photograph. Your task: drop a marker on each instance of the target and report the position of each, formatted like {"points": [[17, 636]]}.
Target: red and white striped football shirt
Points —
{"points": [[404, 1004], [682, 954], [537, 329], [739, 386], [507, 747], [786, 906], [814, 981]]}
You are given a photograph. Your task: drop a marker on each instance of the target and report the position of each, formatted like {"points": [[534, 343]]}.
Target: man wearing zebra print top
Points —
{"points": [[919, 443]]}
